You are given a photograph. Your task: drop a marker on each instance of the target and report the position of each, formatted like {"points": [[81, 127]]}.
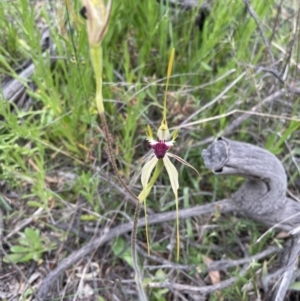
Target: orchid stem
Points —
{"points": [[142, 198], [96, 58], [97, 63], [112, 156]]}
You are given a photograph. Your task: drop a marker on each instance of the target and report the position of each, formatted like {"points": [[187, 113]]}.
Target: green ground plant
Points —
{"points": [[53, 152], [31, 246]]}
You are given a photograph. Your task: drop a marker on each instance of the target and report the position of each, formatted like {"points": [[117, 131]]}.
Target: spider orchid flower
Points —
{"points": [[158, 158], [161, 152]]}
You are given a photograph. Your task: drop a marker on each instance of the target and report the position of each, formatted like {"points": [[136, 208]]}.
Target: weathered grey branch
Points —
{"points": [[13, 88], [262, 196], [222, 264]]}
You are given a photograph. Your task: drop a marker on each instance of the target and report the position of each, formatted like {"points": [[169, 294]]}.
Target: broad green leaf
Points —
{"points": [[20, 249], [16, 258]]}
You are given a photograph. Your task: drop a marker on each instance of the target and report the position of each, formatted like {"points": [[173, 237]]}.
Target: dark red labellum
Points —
{"points": [[160, 149]]}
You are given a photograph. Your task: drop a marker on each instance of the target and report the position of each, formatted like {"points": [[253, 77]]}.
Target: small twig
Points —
{"points": [[119, 188], [13, 88], [289, 271], [275, 73], [24, 223], [239, 120], [213, 266], [112, 156], [164, 262], [245, 113], [255, 18], [215, 99], [276, 20], [68, 230], [293, 158], [1, 234], [203, 290], [138, 274], [226, 264]]}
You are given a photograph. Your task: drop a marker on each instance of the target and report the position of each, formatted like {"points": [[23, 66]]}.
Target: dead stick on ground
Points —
{"points": [[224, 206], [203, 290], [213, 266]]}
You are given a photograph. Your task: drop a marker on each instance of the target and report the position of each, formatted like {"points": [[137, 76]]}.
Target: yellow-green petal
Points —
{"points": [[172, 172], [147, 170]]}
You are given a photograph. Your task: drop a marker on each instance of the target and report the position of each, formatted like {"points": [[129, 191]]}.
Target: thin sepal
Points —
{"points": [[145, 192], [173, 176], [183, 162], [175, 134], [149, 133]]}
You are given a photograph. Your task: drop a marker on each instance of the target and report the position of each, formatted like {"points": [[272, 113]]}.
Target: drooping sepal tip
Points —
{"points": [[149, 133], [170, 66], [174, 135]]}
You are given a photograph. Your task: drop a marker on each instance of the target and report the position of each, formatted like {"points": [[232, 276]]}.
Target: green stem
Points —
{"points": [[96, 57], [142, 198]]}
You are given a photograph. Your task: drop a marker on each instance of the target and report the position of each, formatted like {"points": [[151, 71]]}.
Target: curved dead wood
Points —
{"points": [[262, 197], [12, 88]]}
